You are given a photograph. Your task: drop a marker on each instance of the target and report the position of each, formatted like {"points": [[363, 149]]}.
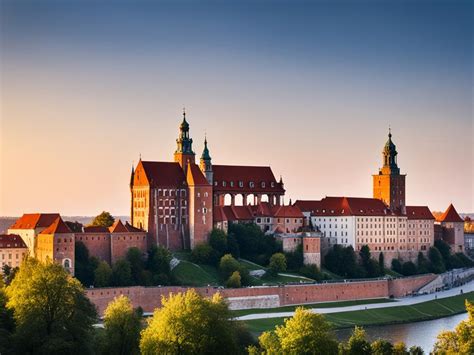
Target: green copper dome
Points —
{"points": [[205, 153]]}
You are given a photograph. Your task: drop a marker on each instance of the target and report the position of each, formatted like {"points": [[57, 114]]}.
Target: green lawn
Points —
{"points": [[402, 314], [189, 274], [244, 312]]}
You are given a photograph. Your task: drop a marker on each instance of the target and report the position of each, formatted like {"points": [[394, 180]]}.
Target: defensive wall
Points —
{"points": [[149, 298]]}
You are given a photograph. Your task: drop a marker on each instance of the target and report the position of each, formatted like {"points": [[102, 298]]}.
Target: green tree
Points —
{"points": [[137, 264], [121, 327], [459, 341], [158, 263], [445, 251], [408, 268], [228, 265], [7, 323], [51, 311], [302, 334], [381, 347], [397, 265], [104, 219], [381, 264], [277, 263], [103, 275], [437, 262], [218, 241], [122, 273], [234, 280], [84, 265], [203, 253], [357, 344], [400, 348], [295, 259], [415, 350], [423, 264], [312, 272], [187, 323], [9, 273]]}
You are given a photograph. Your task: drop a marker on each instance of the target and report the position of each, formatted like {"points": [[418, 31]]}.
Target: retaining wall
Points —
{"points": [[149, 298]]}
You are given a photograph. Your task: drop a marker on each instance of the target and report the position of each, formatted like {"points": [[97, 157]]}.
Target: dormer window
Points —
{"points": [[241, 184], [216, 183], [224, 184], [272, 184], [263, 184], [231, 184], [251, 184]]}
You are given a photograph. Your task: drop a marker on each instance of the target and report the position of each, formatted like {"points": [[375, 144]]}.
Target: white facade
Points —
{"points": [[338, 229]]}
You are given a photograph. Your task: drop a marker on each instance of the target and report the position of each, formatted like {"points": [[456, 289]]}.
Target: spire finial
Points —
{"points": [[389, 132], [184, 111], [140, 155]]}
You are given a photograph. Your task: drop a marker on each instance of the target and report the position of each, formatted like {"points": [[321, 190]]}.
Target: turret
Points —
{"points": [[205, 163], [184, 151]]}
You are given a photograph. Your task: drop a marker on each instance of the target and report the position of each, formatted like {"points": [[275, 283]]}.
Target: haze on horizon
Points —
{"points": [[309, 88]]}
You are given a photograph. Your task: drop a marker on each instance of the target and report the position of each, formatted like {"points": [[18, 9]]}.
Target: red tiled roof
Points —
{"points": [[344, 206], [11, 241], [35, 220], [131, 228], [96, 229], [287, 211], [245, 174], [218, 214], [156, 174], [57, 227], [419, 212], [118, 227], [195, 176], [263, 209], [450, 215]]}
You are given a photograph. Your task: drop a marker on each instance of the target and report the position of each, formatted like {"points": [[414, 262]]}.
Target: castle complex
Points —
{"points": [[176, 204]]}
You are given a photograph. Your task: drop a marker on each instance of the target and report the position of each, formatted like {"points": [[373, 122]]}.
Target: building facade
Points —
{"points": [[12, 250], [451, 229]]}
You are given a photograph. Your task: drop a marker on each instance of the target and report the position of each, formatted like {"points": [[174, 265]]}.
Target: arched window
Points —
{"points": [[67, 263]]}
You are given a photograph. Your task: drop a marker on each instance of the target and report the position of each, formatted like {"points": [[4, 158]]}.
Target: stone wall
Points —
{"points": [[149, 298]]}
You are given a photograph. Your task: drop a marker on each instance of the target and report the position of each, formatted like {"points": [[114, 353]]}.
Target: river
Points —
{"points": [[422, 334]]}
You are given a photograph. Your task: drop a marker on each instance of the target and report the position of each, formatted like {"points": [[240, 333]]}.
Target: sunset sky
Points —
{"points": [[307, 87]]}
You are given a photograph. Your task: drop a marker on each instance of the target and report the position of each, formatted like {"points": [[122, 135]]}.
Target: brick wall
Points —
{"points": [[149, 298], [121, 242], [98, 244]]}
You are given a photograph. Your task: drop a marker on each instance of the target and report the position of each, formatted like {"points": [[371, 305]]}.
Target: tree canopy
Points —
{"points": [[104, 219], [51, 311]]}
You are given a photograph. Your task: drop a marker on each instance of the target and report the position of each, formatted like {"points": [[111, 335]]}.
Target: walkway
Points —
{"points": [[469, 287]]}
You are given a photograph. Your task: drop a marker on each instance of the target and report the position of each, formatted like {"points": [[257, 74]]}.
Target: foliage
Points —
{"points": [[51, 311], [7, 323], [295, 259], [357, 344], [277, 263], [312, 272], [302, 334], [137, 265], [342, 261], [399, 348], [158, 264], [84, 265], [102, 275], [233, 245], [121, 328], [8, 273], [218, 241], [461, 340], [104, 219], [76, 226], [234, 280], [396, 265], [381, 264], [423, 264], [381, 347], [203, 253], [437, 262], [408, 268], [122, 273], [190, 324], [445, 251]]}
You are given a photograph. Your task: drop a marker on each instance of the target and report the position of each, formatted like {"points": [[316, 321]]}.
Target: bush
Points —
{"points": [[437, 262], [234, 280], [218, 241], [228, 265], [312, 272], [204, 254], [102, 275], [397, 266], [408, 268], [122, 273], [277, 263], [295, 259]]}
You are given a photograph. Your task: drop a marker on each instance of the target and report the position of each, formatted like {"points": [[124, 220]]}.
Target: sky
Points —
{"points": [[307, 87]]}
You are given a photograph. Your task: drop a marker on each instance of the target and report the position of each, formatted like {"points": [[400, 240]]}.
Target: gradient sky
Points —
{"points": [[308, 87]]}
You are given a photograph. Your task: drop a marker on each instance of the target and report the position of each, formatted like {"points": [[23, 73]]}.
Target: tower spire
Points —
{"points": [[205, 162], [184, 144]]}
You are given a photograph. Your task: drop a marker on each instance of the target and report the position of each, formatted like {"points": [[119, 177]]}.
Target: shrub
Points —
{"points": [[277, 263], [397, 266], [312, 272], [234, 280], [228, 265], [408, 268], [203, 254]]}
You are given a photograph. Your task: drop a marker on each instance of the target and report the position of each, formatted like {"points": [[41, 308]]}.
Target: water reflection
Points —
{"points": [[422, 334]]}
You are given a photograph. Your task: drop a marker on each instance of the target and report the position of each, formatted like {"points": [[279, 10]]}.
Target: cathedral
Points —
{"points": [[175, 202]]}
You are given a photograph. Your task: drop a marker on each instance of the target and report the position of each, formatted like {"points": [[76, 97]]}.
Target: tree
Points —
{"points": [[234, 280], [228, 265], [295, 259], [51, 311], [436, 259], [397, 266], [84, 264], [399, 348], [76, 226], [408, 268], [381, 347], [203, 253], [7, 323], [158, 263], [312, 272], [381, 264], [121, 327], [104, 219], [302, 334], [233, 245], [445, 251], [9, 273], [357, 344], [415, 350], [122, 273], [277, 263], [423, 264], [137, 264], [218, 241], [102, 275], [187, 323], [459, 341]]}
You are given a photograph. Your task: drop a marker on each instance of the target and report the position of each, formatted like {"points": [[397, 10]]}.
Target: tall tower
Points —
{"points": [[184, 151], [205, 163], [389, 184]]}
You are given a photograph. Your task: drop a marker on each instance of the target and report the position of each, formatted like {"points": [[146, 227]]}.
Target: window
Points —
{"points": [[263, 184], [251, 184], [241, 184]]}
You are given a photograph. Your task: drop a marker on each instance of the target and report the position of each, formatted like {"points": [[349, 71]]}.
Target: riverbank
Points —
{"points": [[429, 310]]}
